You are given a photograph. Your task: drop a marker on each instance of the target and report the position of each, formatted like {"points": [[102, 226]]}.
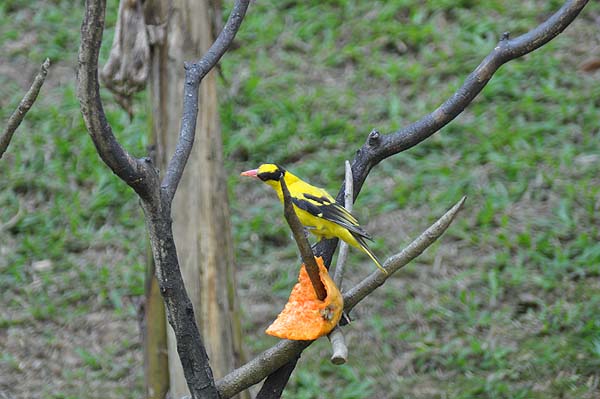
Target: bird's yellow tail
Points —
{"points": [[372, 256], [365, 248]]}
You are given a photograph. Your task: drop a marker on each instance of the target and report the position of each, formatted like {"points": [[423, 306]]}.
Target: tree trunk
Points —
{"points": [[155, 337], [201, 220]]}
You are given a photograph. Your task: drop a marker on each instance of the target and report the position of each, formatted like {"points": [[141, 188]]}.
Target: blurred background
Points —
{"points": [[504, 305]]}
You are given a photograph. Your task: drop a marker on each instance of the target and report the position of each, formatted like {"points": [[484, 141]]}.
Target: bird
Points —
{"points": [[316, 209]]}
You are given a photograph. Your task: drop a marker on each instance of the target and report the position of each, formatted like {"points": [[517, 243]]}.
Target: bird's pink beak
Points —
{"points": [[250, 173]]}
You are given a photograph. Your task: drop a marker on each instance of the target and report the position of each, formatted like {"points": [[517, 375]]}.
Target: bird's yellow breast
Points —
{"points": [[321, 228]]}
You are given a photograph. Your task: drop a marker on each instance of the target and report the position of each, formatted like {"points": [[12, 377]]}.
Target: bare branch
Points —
{"points": [[338, 276], [274, 358], [17, 117], [395, 262], [336, 336], [308, 258], [143, 178], [131, 170], [275, 383], [378, 147], [506, 50], [180, 312], [339, 348], [194, 73], [261, 366]]}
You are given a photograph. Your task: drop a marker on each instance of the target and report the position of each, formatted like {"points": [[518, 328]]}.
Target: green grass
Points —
{"points": [[505, 306], [513, 285], [72, 265]]}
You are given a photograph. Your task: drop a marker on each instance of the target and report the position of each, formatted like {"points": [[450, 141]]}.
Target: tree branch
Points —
{"points": [[143, 178], [506, 50], [338, 276], [336, 336], [194, 73], [17, 117], [394, 263], [378, 147], [260, 367], [308, 258], [180, 312], [272, 387], [277, 356], [276, 382], [131, 170]]}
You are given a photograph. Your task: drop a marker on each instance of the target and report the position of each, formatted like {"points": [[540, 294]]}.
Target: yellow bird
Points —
{"points": [[316, 209]]}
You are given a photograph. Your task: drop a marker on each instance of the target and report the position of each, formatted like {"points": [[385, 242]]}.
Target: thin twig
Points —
{"points": [[194, 73], [336, 336], [338, 276], [25, 105], [277, 356], [308, 258], [394, 263]]}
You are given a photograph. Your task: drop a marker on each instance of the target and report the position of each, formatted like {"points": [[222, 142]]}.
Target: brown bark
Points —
{"points": [[155, 338], [142, 176]]}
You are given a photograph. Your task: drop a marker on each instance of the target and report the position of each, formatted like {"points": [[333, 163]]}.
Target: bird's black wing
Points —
{"points": [[323, 207]]}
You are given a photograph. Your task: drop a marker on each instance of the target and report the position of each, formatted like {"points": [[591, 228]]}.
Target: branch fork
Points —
{"points": [[380, 146], [156, 196], [280, 360]]}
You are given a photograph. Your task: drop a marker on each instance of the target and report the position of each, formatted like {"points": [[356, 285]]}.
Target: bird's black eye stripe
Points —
{"points": [[276, 175]]}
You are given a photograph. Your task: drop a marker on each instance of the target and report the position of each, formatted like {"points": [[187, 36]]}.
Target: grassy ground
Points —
{"points": [[505, 306]]}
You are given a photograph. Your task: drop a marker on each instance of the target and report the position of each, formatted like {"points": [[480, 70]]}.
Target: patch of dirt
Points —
{"points": [[45, 358]]}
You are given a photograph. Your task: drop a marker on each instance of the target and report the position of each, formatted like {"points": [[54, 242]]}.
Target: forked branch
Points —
{"points": [[141, 175], [25, 105], [378, 147]]}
